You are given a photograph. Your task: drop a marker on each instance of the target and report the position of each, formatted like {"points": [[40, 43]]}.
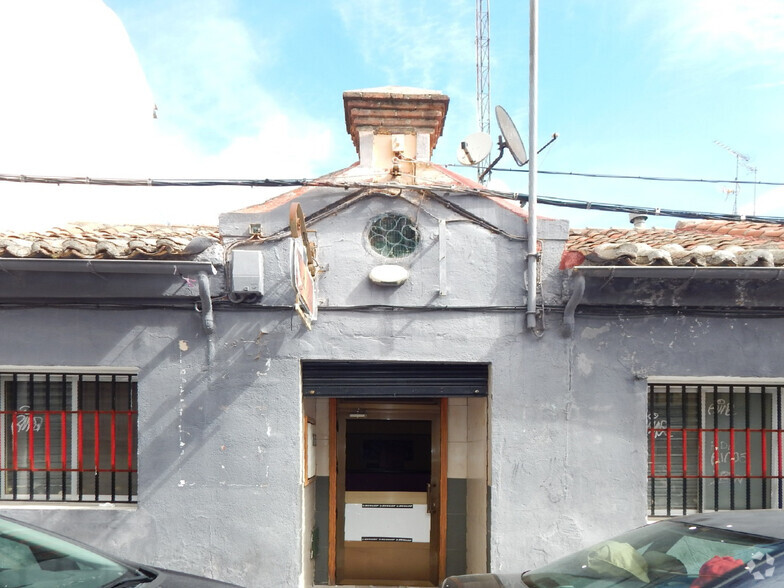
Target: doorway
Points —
{"points": [[389, 484], [451, 398]]}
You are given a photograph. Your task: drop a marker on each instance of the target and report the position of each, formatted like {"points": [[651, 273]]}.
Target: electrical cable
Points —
{"points": [[628, 177], [149, 183], [628, 311], [221, 304], [455, 189], [653, 211]]}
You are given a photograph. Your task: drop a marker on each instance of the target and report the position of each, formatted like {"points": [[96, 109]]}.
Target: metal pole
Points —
{"points": [[533, 73]]}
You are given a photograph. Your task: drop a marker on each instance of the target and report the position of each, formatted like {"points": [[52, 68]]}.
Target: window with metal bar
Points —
{"points": [[714, 447], [68, 437]]}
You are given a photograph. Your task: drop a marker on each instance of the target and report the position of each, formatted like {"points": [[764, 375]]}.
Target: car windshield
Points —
{"points": [[667, 553], [32, 558]]}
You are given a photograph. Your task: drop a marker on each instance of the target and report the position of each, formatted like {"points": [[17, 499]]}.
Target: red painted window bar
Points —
{"points": [[68, 437], [714, 447]]}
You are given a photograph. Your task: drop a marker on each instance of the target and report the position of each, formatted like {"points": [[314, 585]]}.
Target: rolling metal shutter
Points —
{"points": [[346, 379]]}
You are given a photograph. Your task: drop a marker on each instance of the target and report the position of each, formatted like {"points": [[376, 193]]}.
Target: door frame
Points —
{"points": [[442, 404]]}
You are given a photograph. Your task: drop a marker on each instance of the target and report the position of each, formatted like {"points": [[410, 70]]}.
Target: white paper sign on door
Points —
{"points": [[387, 522]]}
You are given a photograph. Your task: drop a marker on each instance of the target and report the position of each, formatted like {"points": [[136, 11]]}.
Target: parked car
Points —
{"points": [[729, 548], [33, 558]]}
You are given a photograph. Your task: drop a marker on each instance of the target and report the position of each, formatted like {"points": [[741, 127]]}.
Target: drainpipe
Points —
{"points": [[578, 289], [532, 257], [207, 317]]}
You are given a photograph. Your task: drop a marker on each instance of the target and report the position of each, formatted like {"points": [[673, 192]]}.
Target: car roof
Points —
{"points": [[768, 523]]}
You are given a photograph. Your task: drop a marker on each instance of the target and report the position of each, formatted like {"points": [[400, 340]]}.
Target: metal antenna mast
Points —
{"points": [[740, 159], [483, 74]]}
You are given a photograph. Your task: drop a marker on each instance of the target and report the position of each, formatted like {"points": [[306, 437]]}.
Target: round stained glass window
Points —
{"points": [[393, 235]]}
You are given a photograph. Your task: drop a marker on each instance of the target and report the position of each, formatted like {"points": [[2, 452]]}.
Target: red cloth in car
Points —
{"points": [[714, 568]]}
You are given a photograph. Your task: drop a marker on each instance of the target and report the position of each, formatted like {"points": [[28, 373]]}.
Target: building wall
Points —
{"points": [[220, 415], [220, 480], [569, 442], [219, 472]]}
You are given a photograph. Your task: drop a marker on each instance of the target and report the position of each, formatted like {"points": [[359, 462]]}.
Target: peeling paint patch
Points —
{"points": [[592, 333], [265, 370], [584, 365], [181, 397]]}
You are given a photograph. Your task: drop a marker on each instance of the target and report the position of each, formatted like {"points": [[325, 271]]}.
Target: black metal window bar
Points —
{"points": [[68, 437], [714, 447]]}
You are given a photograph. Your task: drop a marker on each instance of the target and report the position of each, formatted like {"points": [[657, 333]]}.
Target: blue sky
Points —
{"points": [[253, 89]]}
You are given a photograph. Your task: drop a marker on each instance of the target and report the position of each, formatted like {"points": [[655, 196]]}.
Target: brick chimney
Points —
{"points": [[394, 122]]}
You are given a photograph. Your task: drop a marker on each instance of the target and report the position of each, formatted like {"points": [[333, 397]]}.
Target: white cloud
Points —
{"points": [[725, 35], [203, 64], [418, 47], [768, 203], [72, 87], [77, 103], [421, 43]]}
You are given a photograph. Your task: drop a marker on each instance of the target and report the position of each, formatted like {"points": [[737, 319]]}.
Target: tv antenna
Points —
{"points": [[745, 161]]}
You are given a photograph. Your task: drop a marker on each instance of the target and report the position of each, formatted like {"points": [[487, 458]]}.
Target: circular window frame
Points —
{"points": [[381, 239]]}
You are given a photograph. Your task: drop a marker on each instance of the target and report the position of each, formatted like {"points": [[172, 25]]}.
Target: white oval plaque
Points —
{"points": [[388, 275]]}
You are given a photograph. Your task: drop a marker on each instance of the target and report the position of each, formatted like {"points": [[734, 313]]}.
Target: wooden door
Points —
{"points": [[388, 474]]}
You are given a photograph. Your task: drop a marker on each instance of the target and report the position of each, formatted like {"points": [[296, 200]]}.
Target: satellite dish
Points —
{"points": [[474, 149], [511, 137]]}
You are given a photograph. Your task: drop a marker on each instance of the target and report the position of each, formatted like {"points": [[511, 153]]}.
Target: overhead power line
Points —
{"points": [[460, 189], [85, 181], [653, 211], [629, 177]]}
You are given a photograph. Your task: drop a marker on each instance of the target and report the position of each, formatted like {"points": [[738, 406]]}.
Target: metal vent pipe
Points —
{"points": [[533, 74]]}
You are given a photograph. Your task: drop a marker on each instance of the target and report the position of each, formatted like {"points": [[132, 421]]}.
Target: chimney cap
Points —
{"points": [[395, 110], [638, 219]]}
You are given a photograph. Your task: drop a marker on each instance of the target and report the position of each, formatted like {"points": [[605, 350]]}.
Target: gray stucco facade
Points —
{"points": [[220, 468], [220, 414]]}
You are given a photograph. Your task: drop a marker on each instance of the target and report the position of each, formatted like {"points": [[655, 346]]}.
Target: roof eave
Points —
{"points": [[681, 273], [106, 266]]}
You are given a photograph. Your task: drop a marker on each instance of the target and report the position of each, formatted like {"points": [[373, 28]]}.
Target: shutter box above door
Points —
{"points": [[346, 379]]}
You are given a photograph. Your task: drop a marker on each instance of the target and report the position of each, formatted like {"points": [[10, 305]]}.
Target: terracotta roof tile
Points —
{"points": [[695, 243], [93, 241], [763, 231]]}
